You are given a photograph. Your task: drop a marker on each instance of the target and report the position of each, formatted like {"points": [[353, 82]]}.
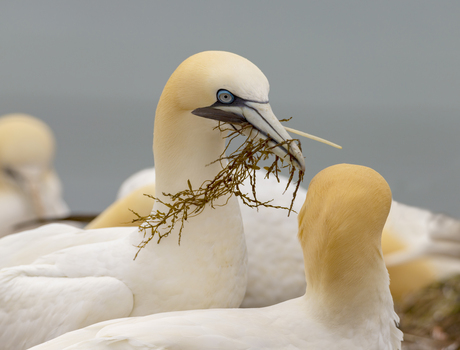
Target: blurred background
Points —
{"points": [[380, 78]]}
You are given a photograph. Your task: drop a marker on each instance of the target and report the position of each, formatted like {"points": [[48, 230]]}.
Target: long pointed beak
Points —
{"points": [[265, 126]]}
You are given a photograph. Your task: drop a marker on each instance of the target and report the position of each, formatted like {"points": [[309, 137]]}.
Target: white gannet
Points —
{"points": [[347, 304], [29, 186], [88, 283], [419, 246]]}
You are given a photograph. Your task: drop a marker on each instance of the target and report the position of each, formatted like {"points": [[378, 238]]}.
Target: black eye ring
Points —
{"points": [[225, 96]]}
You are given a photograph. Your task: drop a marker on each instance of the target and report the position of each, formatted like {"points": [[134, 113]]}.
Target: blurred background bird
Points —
{"points": [[29, 186]]}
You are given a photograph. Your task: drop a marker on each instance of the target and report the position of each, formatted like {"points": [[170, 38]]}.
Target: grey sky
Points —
{"points": [[382, 78]]}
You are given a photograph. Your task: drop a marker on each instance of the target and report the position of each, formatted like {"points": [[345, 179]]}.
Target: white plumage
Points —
{"points": [[347, 304], [87, 283], [29, 187]]}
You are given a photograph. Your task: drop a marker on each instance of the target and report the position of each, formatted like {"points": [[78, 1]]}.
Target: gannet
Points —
{"points": [[419, 246], [347, 303], [88, 283], [29, 186]]}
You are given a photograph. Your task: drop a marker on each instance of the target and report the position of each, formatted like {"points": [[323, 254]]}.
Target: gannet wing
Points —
{"points": [[190, 330], [25, 247], [52, 304]]}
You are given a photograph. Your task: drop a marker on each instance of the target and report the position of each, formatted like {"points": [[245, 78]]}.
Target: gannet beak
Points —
{"points": [[264, 122]]}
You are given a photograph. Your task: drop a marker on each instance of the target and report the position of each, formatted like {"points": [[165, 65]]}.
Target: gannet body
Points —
{"points": [[419, 246], [29, 187], [347, 304], [88, 283]]}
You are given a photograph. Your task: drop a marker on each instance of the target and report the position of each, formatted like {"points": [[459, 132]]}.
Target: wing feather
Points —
{"points": [[36, 308]]}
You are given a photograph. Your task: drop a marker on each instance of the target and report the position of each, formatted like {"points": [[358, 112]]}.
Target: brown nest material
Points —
{"points": [[434, 313], [242, 164]]}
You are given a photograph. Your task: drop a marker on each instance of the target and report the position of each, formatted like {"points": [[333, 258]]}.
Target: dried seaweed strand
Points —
{"points": [[242, 163]]}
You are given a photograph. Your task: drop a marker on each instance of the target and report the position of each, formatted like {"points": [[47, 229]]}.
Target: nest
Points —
{"points": [[433, 313], [242, 164]]}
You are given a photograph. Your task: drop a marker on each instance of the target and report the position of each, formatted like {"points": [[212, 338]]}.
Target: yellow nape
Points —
{"points": [[343, 217], [118, 214], [408, 277]]}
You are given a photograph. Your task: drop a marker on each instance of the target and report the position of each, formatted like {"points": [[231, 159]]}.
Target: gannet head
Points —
{"points": [[26, 154], [340, 228], [226, 87]]}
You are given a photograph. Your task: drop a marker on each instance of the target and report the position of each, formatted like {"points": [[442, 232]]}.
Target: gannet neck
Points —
{"points": [[184, 148], [212, 242], [340, 231]]}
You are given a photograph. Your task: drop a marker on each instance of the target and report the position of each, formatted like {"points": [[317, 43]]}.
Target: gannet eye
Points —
{"points": [[225, 96]]}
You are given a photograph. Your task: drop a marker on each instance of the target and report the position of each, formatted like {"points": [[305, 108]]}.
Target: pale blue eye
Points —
{"points": [[225, 96]]}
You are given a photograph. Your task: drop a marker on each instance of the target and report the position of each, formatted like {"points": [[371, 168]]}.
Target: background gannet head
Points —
{"points": [[27, 149], [340, 230], [223, 86]]}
